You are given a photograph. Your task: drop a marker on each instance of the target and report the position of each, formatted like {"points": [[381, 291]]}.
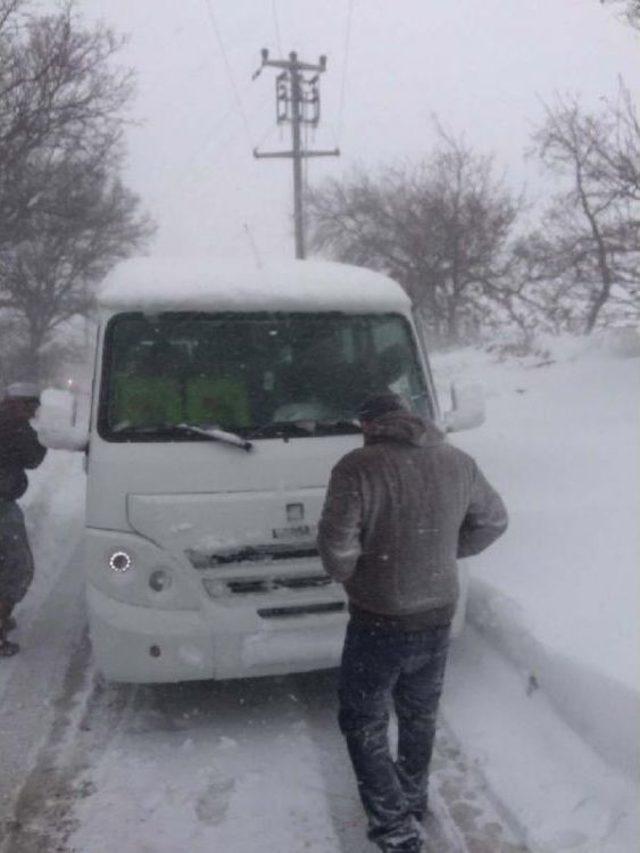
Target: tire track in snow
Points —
{"points": [[92, 715], [204, 766], [40, 683], [195, 766], [242, 765], [38, 686]]}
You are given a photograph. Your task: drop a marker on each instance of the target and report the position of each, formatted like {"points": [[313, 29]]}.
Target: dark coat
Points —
{"points": [[19, 449], [397, 513]]}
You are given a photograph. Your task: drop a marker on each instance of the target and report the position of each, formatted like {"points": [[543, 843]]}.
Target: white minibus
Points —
{"points": [[222, 397]]}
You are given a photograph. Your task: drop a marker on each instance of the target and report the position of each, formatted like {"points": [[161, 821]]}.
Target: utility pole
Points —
{"points": [[298, 104]]}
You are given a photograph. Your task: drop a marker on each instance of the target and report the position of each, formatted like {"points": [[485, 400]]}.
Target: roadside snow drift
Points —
{"points": [[559, 593]]}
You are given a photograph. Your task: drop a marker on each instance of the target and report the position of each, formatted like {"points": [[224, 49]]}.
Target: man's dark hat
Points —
{"points": [[381, 404]]}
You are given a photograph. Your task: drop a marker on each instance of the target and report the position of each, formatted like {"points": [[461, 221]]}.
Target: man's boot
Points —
{"points": [[7, 623], [8, 649]]}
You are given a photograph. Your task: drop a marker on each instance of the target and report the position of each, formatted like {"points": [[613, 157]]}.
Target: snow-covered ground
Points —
{"points": [[558, 596], [540, 713], [561, 442], [560, 591]]}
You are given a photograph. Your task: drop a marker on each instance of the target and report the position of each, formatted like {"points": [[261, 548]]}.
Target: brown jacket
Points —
{"points": [[397, 513]]}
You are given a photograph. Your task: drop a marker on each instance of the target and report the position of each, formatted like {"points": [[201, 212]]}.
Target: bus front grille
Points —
{"points": [[217, 587], [250, 554], [300, 610], [269, 584]]}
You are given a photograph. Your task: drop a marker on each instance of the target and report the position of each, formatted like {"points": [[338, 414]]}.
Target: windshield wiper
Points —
{"points": [[216, 434], [159, 431]]}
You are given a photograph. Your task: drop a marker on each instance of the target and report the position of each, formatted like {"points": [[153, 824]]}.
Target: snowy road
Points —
{"points": [[259, 764], [94, 767]]}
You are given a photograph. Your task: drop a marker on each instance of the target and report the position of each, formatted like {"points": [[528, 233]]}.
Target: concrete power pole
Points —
{"points": [[297, 103]]}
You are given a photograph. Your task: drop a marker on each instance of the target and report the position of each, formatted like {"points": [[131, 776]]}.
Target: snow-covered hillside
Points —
{"points": [[558, 595], [561, 441], [560, 591]]}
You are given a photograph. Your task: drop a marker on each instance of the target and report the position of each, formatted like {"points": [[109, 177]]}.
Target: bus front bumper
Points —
{"points": [[149, 645]]}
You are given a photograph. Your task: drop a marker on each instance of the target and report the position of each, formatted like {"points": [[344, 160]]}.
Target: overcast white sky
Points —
{"points": [[483, 66]]}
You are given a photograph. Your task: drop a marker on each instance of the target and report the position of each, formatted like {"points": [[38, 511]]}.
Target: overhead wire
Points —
{"points": [[270, 129], [208, 138], [236, 93], [215, 134], [234, 87], [345, 64]]}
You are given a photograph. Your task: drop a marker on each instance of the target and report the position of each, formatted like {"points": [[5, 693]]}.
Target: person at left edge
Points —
{"points": [[19, 449]]}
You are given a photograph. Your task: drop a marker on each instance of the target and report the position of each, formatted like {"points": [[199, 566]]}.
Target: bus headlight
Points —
{"points": [[159, 580], [120, 562]]}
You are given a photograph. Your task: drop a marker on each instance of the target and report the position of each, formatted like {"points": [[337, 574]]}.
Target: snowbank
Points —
{"points": [[559, 594], [604, 711]]}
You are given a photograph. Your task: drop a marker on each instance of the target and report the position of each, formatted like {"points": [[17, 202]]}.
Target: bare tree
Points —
{"points": [[589, 244], [440, 228], [84, 222], [65, 217], [616, 164], [630, 10], [58, 92]]}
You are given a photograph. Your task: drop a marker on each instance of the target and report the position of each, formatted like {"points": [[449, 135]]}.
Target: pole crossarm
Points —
{"points": [[259, 155], [286, 63]]}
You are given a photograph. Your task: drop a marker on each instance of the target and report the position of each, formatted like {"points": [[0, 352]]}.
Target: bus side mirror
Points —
{"points": [[57, 422], [467, 408]]}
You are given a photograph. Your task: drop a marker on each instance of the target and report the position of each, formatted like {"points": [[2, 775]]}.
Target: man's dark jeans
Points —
{"points": [[379, 664]]}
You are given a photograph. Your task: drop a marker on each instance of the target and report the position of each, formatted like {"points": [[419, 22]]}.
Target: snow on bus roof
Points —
{"points": [[155, 284]]}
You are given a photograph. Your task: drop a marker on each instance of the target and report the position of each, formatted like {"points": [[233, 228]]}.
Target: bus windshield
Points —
{"points": [[260, 374]]}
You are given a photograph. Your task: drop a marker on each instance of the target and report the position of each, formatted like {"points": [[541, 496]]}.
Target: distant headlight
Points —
{"points": [[159, 580], [120, 562]]}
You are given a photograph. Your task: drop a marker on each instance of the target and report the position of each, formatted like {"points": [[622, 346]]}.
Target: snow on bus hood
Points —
{"points": [[211, 528]]}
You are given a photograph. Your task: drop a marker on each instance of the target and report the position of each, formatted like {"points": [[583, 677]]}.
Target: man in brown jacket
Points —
{"points": [[397, 513]]}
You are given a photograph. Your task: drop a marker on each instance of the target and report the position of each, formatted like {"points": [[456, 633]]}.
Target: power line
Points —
{"points": [[345, 62], [269, 129], [213, 134], [236, 92], [209, 136]]}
